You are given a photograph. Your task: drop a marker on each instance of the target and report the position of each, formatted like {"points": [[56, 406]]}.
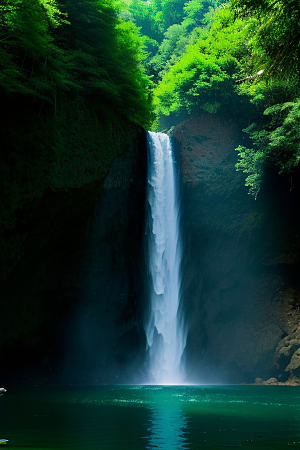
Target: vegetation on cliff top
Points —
{"points": [[239, 58], [48, 48], [274, 50]]}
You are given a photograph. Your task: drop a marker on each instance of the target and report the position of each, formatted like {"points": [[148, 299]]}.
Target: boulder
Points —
{"points": [[294, 365]]}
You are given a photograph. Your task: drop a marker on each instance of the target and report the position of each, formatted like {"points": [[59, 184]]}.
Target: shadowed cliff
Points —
{"points": [[240, 287], [74, 293], [53, 167]]}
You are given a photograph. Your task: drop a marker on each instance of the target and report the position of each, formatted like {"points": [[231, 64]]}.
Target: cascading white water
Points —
{"points": [[166, 336]]}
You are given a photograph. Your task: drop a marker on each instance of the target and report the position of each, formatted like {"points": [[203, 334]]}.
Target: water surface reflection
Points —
{"points": [[152, 417], [168, 423]]}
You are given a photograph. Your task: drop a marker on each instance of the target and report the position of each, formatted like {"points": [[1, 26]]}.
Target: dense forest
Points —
{"points": [[48, 48]]}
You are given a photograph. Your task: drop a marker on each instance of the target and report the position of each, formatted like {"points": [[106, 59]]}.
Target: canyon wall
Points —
{"points": [[73, 293], [240, 284], [105, 340], [53, 168]]}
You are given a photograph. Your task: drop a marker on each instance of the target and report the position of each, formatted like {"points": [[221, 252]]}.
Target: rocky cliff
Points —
{"points": [[240, 287], [105, 339], [53, 166], [73, 216]]}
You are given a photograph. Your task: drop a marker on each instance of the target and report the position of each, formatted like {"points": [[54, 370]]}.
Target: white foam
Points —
{"points": [[166, 335]]}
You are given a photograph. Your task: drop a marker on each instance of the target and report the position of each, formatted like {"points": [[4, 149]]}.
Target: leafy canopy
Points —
{"points": [[81, 46], [276, 139], [203, 77], [274, 45]]}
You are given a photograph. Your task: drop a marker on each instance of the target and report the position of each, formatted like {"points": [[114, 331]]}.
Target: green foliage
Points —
{"points": [[202, 55], [251, 162], [235, 57], [172, 12], [274, 46], [204, 75], [276, 141], [284, 136], [134, 84], [81, 46], [29, 58], [276, 42], [195, 80], [193, 13], [170, 50], [157, 19], [146, 15]]}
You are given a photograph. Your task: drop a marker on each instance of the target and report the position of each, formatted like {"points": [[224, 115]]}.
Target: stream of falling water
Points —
{"points": [[165, 331]]}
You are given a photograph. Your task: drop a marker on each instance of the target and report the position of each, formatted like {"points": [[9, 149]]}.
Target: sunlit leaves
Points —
{"points": [[194, 80], [251, 162], [284, 139], [202, 77], [275, 43], [193, 13], [170, 50]]}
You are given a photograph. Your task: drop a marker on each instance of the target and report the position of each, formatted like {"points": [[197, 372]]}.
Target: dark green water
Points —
{"points": [[145, 417]]}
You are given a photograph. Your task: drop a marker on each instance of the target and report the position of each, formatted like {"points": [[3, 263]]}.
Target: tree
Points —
{"points": [[276, 141], [204, 75], [276, 41], [30, 60], [170, 50], [274, 46], [83, 47]]}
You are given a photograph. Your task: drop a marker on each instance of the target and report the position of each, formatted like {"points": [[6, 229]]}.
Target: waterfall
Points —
{"points": [[166, 336]]}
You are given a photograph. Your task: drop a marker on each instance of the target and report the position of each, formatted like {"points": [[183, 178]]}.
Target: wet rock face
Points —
{"points": [[69, 306], [240, 287], [287, 355], [106, 341]]}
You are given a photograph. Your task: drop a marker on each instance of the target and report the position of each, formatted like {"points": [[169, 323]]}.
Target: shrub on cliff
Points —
{"points": [[273, 50], [276, 136]]}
